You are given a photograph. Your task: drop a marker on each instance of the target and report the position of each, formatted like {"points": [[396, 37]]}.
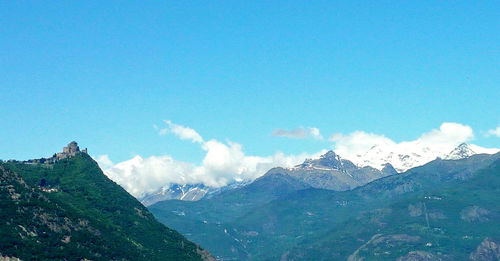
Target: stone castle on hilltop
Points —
{"points": [[69, 151]]}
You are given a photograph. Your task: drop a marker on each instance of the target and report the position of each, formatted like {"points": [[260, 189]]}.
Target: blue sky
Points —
{"points": [[105, 73]]}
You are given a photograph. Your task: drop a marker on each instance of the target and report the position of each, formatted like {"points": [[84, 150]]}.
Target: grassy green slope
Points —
{"points": [[88, 216]]}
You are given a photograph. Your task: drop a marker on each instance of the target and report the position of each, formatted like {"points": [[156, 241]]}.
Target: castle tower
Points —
{"points": [[72, 148]]}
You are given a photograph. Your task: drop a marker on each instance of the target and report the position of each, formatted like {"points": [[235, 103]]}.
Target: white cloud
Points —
{"points": [[495, 132], [375, 150], [299, 133], [358, 141], [139, 176], [184, 133], [226, 162], [104, 161], [448, 136], [222, 164]]}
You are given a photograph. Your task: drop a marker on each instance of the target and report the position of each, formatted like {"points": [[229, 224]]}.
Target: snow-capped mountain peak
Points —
{"points": [[187, 192], [462, 151], [387, 159], [175, 191], [410, 155]]}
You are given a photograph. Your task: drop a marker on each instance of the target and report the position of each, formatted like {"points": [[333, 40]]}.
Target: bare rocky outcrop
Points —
{"points": [[333, 172], [419, 256], [205, 255], [437, 214], [489, 249], [474, 214], [354, 256], [381, 241], [391, 239], [415, 210], [8, 258]]}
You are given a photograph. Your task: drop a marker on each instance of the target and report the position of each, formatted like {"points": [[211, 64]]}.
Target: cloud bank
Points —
{"points": [[447, 137], [226, 162], [495, 132], [222, 164], [182, 132], [299, 133]]}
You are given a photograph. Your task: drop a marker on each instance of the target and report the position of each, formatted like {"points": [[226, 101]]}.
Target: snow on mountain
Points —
{"points": [[462, 151], [407, 157], [182, 192], [331, 171], [401, 157], [481, 150], [187, 192]]}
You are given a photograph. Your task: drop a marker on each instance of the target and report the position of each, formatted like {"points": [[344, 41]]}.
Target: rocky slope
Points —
{"points": [[332, 172]]}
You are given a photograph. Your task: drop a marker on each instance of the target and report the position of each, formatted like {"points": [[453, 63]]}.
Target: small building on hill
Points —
{"points": [[69, 151]]}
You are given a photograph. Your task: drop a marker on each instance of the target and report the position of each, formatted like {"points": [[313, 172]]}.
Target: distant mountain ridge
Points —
{"points": [[187, 192], [444, 210], [329, 171], [379, 155], [182, 192]]}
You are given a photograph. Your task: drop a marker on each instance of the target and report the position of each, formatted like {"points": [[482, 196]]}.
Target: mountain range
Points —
{"points": [[329, 208], [187, 192], [182, 192], [332, 172], [444, 210], [328, 171], [407, 156]]}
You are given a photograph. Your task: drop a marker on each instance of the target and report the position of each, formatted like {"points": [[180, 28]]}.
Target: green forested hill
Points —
{"points": [[69, 210]]}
